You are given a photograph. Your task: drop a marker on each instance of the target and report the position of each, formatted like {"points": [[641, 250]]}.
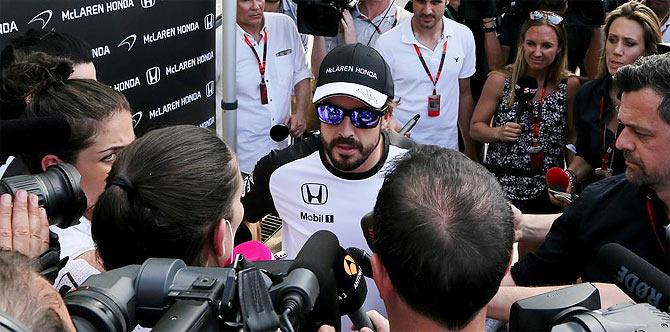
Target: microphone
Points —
{"points": [[309, 272], [33, 135], [639, 279], [351, 289], [253, 251], [524, 90], [363, 259], [557, 179]]}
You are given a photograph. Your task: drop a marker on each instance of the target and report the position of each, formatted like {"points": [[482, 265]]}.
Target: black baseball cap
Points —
{"points": [[356, 71]]}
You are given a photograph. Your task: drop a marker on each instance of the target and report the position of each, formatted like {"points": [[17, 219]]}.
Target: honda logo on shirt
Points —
{"points": [[153, 75], [314, 193], [209, 21], [148, 3], [209, 88]]}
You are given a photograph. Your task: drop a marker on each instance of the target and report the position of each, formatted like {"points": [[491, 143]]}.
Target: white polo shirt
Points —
{"points": [[665, 29], [412, 85], [286, 66], [367, 32]]}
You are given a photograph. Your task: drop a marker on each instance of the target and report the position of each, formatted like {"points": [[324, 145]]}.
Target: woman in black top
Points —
{"points": [[631, 31]]}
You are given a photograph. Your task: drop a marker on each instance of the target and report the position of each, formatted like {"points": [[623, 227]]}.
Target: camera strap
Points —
{"points": [[425, 67]]}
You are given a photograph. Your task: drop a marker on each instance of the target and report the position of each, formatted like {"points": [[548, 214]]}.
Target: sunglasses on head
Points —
{"points": [[363, 118], [552, 17]]}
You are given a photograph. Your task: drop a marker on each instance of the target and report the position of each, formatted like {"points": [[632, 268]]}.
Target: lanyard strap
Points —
{"points": [[651, 214], [609, 150], [535, 118], [261, 64], [425, 67]]}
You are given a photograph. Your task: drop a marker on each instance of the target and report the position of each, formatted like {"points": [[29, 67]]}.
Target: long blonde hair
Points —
{"points": [[557, 70]]}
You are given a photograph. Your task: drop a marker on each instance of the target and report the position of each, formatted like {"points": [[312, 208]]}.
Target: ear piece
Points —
{"points": [[369, 229]]}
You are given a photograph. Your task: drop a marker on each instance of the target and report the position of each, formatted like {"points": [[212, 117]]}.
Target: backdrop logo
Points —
{"points": [[137, 117], [44, 17], [209, 89], [314, 193], [128, 41], [153, 75], [148, 3], [209, 21]]}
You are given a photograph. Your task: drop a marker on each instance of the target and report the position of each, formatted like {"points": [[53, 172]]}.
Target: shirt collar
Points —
{"points": [[407, 35], [390, 12], [264, 28]]}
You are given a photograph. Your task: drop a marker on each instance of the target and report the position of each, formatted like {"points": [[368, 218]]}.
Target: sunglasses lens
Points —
{"points": [[330, 114], [364, 118]]}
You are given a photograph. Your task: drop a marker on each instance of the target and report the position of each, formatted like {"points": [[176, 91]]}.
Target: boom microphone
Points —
{"points": [[309, 272], [639, 279], [27, 136], [351, 289], [557, 179]]}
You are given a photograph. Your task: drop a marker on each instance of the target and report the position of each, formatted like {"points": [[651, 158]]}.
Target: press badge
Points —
{"points": [[434, 105]]}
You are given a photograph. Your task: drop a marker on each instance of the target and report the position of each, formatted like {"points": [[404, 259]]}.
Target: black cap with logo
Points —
{"points": [[357, 71]]}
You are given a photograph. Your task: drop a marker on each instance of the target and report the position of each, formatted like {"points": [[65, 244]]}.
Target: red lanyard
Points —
{"points": [[651, 214], [535, 118], [261, 64], [425, 67], [609, 150]]}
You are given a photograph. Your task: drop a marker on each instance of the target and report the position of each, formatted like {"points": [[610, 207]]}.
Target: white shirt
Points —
{"points": [[665, 29], [367, 32], [286, 66], [74, 240], [412, 85]]}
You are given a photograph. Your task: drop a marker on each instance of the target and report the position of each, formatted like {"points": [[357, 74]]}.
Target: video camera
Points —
{"points": [[321, 17], [575, 309], [167, 295], [58, 191]]}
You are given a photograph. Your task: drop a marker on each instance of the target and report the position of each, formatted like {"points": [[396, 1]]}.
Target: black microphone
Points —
{"points": [[639, 279], [525, 90], [309, 272], [351, 289], [33, 135], [363, 259]]}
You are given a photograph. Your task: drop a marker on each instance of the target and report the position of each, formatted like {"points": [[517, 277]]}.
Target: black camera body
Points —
{"points": [[321, 17]]}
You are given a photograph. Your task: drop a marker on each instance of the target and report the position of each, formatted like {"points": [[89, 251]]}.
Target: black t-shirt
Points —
{"points": [[590, 125], [611, 210]]}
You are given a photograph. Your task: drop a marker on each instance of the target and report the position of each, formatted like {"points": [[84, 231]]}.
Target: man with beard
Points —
{"points": [[432, 59], [329, 181], [630, 209]]}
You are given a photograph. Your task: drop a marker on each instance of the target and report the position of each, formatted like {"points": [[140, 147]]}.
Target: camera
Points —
{"points": [[576, 309], [321, 17], [58, 191]]}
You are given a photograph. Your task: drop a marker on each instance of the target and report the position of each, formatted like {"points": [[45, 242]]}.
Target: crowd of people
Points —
{"points": [[443, 222]]}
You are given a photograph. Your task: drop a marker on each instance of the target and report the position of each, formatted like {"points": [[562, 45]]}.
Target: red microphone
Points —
{"points": [[557, 179]]}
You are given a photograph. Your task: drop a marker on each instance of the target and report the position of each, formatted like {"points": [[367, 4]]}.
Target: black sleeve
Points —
{"points": [[560, 259], [257, 199], [580, 105]]}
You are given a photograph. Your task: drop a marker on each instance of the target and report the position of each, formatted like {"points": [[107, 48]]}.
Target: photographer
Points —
{"points": [[100, 123], [364, 23]]}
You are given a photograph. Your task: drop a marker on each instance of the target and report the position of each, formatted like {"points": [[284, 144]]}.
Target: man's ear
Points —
{"points": [[49, 160], [381, 278], [219, 245]]}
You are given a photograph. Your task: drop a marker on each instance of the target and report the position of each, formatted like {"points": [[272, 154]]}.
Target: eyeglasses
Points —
{"points": [[363, 118], [552, 17]]}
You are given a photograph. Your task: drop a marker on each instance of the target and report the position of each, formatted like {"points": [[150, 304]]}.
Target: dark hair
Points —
{"points": [[85, 104], [444, 233], [54, 43], [20, 300], [171, 188], [648, 72]]}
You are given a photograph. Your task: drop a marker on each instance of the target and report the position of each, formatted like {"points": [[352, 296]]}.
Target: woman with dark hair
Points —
{"points": [[631, 31], [175, 192], [100, 123], [526, 138]]}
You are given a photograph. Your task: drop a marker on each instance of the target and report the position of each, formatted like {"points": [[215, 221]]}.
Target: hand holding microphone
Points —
{"points": [[560, 186], [509, 132]]}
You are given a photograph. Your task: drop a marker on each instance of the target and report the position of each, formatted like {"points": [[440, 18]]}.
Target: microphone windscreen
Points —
{"points": [[318, 254], [363, 259], [26, 136], [642, 281], [253, 251], [526, 88], [557, 179], [350, 283]]}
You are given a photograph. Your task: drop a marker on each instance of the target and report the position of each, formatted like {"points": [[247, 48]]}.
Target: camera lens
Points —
{"points": [[58, 191], [279, 132]]}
